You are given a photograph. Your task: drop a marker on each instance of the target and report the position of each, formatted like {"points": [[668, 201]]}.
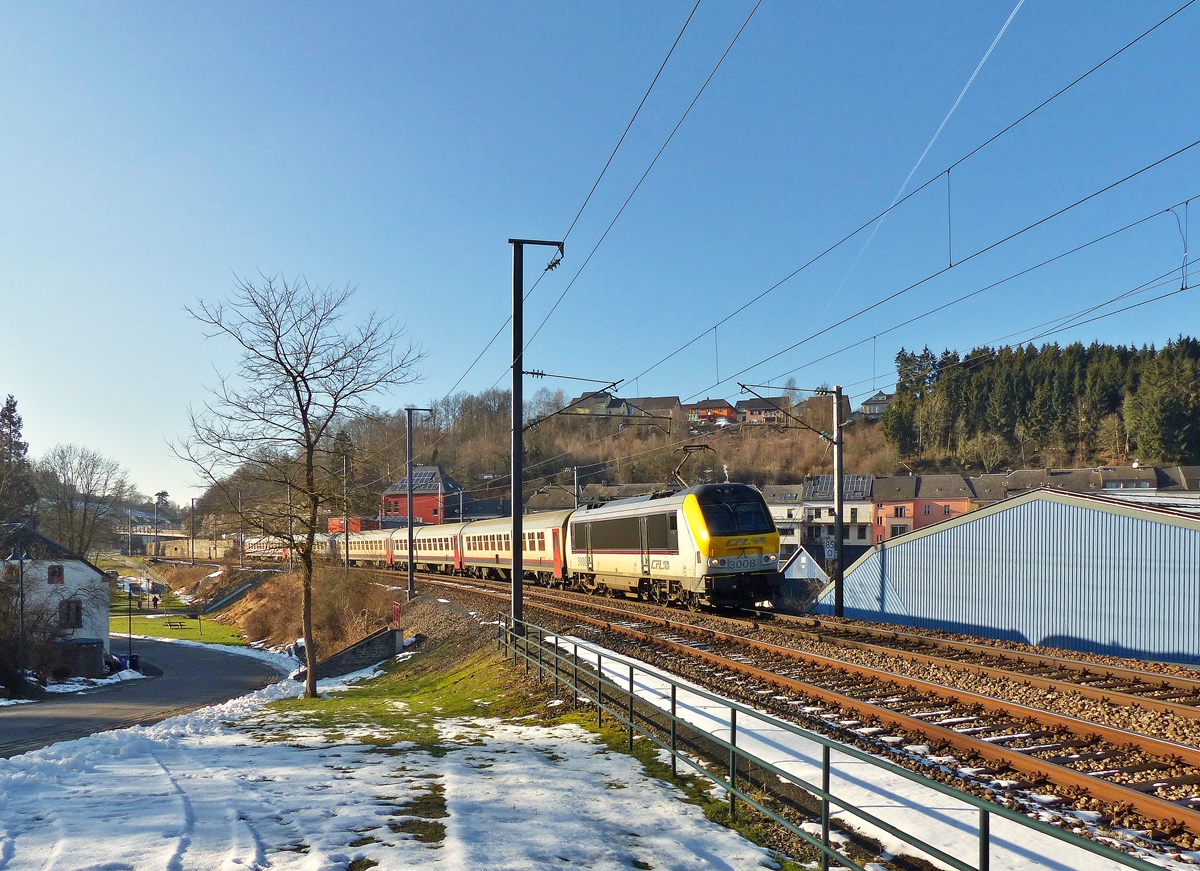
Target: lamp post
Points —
{"points": [[19, 555]]}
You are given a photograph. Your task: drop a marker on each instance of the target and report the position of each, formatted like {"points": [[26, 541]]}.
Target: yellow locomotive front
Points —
{"points": [[737, 544]]}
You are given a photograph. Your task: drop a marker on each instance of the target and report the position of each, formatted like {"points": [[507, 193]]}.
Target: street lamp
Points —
{"points": [[19, 558]]}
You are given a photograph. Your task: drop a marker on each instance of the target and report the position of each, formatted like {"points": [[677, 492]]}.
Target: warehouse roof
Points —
{"points": [[1175, 512]]}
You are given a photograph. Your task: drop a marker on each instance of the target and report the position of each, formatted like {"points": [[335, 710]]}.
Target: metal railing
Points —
{"points": [[558, 657]]}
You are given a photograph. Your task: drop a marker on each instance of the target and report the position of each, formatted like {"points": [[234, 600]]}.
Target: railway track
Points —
{"points": [[1165, 691], [1003, 748]]}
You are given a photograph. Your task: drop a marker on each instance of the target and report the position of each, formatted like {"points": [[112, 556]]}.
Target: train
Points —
{"points": [[712, 545]]}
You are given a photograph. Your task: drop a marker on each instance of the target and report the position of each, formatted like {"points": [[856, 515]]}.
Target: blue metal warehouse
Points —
{"points": [[1092, 573]]}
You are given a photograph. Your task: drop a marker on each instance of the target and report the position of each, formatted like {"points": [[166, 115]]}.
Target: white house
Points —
{"points": [[65, 596]]}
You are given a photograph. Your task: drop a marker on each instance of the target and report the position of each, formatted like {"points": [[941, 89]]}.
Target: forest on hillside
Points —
{"points": [[468, 437], [1050, 406]]}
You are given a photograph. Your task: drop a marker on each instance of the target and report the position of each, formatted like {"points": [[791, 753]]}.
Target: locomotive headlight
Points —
{"points": [[716, 562], [770, 558]]}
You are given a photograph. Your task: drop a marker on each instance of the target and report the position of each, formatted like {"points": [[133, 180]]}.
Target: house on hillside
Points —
{"points": [[716, 411], [598, 403], [437, 498], [65, 596], [655, 406], [772, 409], [874, 407]]}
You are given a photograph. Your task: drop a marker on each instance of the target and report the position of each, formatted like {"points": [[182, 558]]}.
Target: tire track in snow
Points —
{"points": [[175, 863]]}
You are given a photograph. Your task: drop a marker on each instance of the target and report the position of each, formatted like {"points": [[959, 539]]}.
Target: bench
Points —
{"points": [[173, 624]]}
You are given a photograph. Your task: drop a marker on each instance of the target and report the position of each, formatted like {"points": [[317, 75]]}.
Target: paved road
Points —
{"points": [[184, 678]]}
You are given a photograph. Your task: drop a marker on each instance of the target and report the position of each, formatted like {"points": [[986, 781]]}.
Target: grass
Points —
{"points": [[213, 632], [442, 684], [438, 685]]}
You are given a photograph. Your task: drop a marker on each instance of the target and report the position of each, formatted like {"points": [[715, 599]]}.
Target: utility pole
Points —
{"points": [[345, 513], [518, 400], [129, 512], [576, 468], [241, 535], [156, 526], [838, 477], [193, 530], [408, 481], [291, 530]]}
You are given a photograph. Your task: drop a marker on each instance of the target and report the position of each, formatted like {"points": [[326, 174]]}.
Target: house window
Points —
{"points": [[854, 515], [789, 514], [862, 533], [878, 504], [435, 512], [70, 614], [899, 530], [879, 520], [946, 510], [900, 509], [878, 539], [928, 510]]}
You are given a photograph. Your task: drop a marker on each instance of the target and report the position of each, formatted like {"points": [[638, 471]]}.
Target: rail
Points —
{"points": [[593, 678]]}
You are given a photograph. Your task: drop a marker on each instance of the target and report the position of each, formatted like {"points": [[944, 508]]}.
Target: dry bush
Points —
{"points": [[345, 609]]}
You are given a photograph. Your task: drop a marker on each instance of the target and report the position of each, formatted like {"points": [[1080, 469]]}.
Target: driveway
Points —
{"points": [[182, 678]]}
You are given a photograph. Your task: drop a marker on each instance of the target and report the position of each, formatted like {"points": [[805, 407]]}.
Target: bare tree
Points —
{"points": [[267, 432], [81, 489]]}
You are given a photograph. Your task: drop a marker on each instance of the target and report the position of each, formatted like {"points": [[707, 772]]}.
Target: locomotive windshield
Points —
{"points": [[734, 509]]}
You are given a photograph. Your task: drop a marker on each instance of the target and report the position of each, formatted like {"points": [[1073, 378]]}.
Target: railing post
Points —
{"points": [[541, 639], [554, 656], [674, 743], [732, 762], [599, 690], [985, 840], [575, 676], [631, 707], [825, 805]]}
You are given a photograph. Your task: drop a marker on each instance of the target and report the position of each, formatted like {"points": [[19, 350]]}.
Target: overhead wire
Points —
{"points": [[592, 191], [948, 268], [603, 171], [1062, 323], [644, 175], [977, 292], [863, 226]]}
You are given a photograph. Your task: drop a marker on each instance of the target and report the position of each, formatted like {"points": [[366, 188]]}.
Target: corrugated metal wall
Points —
{"points": [[1043, 572]]}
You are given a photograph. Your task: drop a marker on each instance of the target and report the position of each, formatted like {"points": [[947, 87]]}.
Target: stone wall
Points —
{"points": [[372, 650]]}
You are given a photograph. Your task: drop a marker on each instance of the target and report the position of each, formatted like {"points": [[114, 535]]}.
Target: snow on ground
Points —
{"points": [[79, 684], [281, 662], [199, 792], [935, 818]]}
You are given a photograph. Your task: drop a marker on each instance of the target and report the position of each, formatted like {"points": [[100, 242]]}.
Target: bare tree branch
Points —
{"points": [[268, 428]]}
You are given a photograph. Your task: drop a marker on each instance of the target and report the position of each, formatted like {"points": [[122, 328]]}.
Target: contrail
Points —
{"points": [[921, 159]]}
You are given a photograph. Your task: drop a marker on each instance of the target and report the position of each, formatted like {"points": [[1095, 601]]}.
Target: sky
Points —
{"points": [[152, 155]]}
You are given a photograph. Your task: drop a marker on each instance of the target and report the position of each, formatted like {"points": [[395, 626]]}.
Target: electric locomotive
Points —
{"points": [[713, 544]]}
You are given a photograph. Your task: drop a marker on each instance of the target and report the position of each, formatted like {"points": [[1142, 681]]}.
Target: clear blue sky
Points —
{"points": [[151, 152]]}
